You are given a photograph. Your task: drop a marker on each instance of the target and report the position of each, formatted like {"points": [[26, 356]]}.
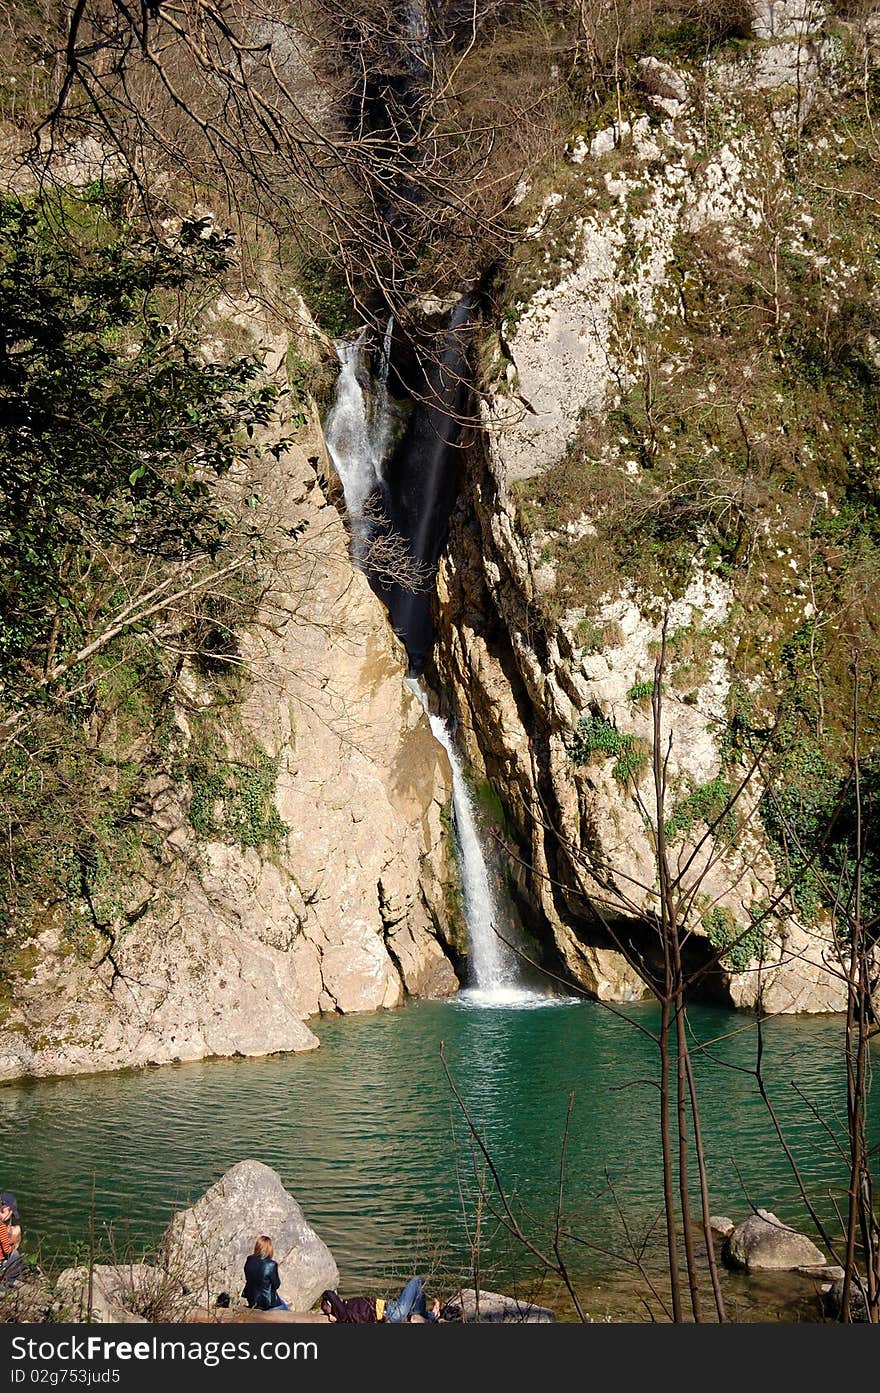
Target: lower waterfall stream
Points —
{"points": [[494, 967]]}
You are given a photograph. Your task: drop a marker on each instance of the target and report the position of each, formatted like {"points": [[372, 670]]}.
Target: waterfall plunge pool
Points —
{"points": [[367, 1136]]}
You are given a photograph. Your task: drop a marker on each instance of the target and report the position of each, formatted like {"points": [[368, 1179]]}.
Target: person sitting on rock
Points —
{"points": [[261, 1279], [11, 1265], [410, 1305]]}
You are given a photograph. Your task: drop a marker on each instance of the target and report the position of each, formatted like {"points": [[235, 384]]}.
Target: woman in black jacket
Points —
{"points": [[261, 1280]]}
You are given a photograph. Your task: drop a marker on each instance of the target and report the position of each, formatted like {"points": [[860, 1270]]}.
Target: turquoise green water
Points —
{"points": [[366, 1134]]}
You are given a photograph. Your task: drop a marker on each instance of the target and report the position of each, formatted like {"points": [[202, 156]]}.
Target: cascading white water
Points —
{"points": [[347, 432], [357, 443], [358, 439], [419, 52], [495, 970], [380, 428]]}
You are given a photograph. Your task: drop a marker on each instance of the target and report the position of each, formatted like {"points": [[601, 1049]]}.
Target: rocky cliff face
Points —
{"points": [[589, 528], [226, 947]]}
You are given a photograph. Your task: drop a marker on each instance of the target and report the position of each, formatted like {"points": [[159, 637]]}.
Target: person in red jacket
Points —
{"points": [[11, 1265]]}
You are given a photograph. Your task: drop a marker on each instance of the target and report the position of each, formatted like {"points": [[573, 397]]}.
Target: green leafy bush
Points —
{"points": [[642, 690], [597, 735], [236, 800], [738, 947], [707, 804]]}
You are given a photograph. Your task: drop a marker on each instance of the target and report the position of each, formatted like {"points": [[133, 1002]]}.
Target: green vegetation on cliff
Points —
{"points": [[123, 556]]}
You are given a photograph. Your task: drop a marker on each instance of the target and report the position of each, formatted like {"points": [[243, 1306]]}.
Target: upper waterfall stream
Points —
{"points": [[350, 436]]}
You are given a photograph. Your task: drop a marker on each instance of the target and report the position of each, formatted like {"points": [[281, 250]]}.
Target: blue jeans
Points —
{"points": [[280, 1305], [410, 1302]]}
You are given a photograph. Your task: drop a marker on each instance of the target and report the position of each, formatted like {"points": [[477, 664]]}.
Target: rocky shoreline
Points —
{"points": [[201, 1257]]}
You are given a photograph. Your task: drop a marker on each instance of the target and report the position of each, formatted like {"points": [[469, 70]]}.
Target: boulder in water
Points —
{"points": [[720, 1224], [763, 1243]]}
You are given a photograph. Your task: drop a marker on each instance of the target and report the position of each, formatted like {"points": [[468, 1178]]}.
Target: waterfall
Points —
{"points": [[347, 432], [418, 51], [380, 428], [496, 977], [357, 442], [357, 438]]}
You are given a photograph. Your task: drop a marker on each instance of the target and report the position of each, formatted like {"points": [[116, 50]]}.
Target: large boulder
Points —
{"points": [[206, 1245], [763, 1243]]}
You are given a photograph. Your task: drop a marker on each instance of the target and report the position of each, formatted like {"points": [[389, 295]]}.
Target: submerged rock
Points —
{"points": [[831, 1273], [833, 1302]]}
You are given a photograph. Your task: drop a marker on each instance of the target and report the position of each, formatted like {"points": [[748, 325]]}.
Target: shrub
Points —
{"points": [[642, 690], [706, 803], [590, 636], [738, 947], [597, 735], [236, 799]]}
